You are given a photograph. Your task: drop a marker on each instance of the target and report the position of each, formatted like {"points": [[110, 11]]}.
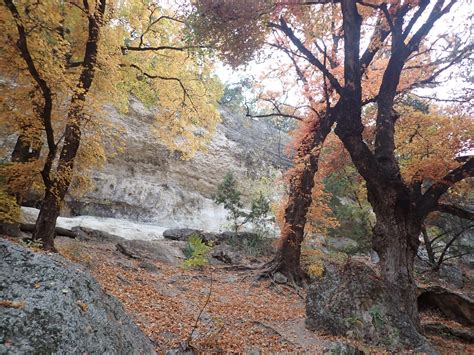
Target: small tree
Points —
{"points": [[228, 195]]}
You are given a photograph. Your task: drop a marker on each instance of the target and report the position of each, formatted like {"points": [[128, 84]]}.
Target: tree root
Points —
{"points": [[296, 276]]}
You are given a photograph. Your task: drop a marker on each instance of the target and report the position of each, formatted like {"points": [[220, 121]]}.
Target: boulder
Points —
{"points": [[50, 305], [452, 274], [352, 301], [183, 234], [342, 348], [84, 233], [156, 250], [452, 305], [225, 254], [342, 244]]}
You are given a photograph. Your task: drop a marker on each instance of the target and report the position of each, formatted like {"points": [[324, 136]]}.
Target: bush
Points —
{"points": [[195, 252], [9, 209]]}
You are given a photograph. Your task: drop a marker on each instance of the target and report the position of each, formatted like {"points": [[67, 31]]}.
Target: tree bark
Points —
{"points": [[46, 222], [396, 240], [287, 258]]}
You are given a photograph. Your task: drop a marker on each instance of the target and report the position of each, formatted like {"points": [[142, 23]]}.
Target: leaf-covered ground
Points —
{"points": [[236, 313]]}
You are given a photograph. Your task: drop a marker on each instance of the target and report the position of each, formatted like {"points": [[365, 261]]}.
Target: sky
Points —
{"points": [[461, 14]]}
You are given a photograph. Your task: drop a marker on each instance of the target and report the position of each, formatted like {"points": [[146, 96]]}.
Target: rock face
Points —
{"points": [[352, 301], [51, 306], [147, 183]]}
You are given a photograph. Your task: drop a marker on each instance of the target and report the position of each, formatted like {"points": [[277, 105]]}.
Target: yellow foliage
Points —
{"points": [[177, 84], [316, 269], [9, 209]]}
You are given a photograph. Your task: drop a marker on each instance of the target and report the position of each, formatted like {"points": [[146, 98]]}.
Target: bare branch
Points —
{"points": [[166, 78], [283, 26], [456, 211], [160, 48]]}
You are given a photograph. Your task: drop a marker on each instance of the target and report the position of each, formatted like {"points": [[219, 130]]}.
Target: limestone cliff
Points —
{"points": [[147, 183]]}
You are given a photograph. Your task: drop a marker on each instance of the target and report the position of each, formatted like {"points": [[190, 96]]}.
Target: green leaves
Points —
{"points": [[195, 252]]}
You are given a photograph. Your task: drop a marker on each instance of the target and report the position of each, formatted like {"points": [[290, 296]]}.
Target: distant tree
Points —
{"points": [[229, 196]]}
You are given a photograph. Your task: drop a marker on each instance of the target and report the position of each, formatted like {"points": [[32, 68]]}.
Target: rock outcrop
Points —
{"points": [[352, 301], [49, 305], [147, 183]]}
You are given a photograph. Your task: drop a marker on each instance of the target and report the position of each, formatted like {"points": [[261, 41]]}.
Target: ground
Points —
{"points": [[236, 313]]}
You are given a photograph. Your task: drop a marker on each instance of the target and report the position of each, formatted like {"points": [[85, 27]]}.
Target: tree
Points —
{"points": [[65, 60], [229, 196], [398, 47]]}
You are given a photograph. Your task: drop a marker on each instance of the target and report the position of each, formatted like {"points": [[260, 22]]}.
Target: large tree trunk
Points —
{"points": [[396, 240], [287, 258]]}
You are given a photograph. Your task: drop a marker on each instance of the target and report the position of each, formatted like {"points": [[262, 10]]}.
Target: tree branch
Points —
{"points": [[429, 200], [47, 95], [456, 211], [166, 78], [160, 48], [283, 26]]}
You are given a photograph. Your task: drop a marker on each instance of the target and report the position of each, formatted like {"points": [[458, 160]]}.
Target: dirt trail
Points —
{"points": [[241, 315]]}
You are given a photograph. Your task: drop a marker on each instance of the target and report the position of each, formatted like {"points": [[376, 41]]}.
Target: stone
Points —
{"points": [[51, 305], [181, 234], [342, 244], [341, 348], [279, 278], [452, 274], [89, 234], [170, 252], [149, 266], [351, 300], [224, 253]]}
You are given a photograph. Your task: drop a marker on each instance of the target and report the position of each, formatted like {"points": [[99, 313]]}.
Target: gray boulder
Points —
{"points": [[183, 234], [352, 301], [452, 274], [451, 304], [52, 306], [89, 234], [156, 250], [225, 254]]}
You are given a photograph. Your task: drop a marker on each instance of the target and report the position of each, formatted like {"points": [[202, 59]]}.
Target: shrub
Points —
{"points": [[195, 252]]}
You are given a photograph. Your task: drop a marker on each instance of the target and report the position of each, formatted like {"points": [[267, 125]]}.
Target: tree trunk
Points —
{"points": [[396, 241], [46, 221], [287, 258], [57, 187]]}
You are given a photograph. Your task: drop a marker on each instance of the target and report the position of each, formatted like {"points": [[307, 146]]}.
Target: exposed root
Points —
{"points": [[296, 276]]}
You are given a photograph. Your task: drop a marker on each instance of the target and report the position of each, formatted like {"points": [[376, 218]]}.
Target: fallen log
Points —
{"points": [[29, 227]]}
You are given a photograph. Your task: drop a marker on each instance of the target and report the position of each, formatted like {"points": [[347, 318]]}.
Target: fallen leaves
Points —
{"points": [[12, 304], [166, 305]]}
